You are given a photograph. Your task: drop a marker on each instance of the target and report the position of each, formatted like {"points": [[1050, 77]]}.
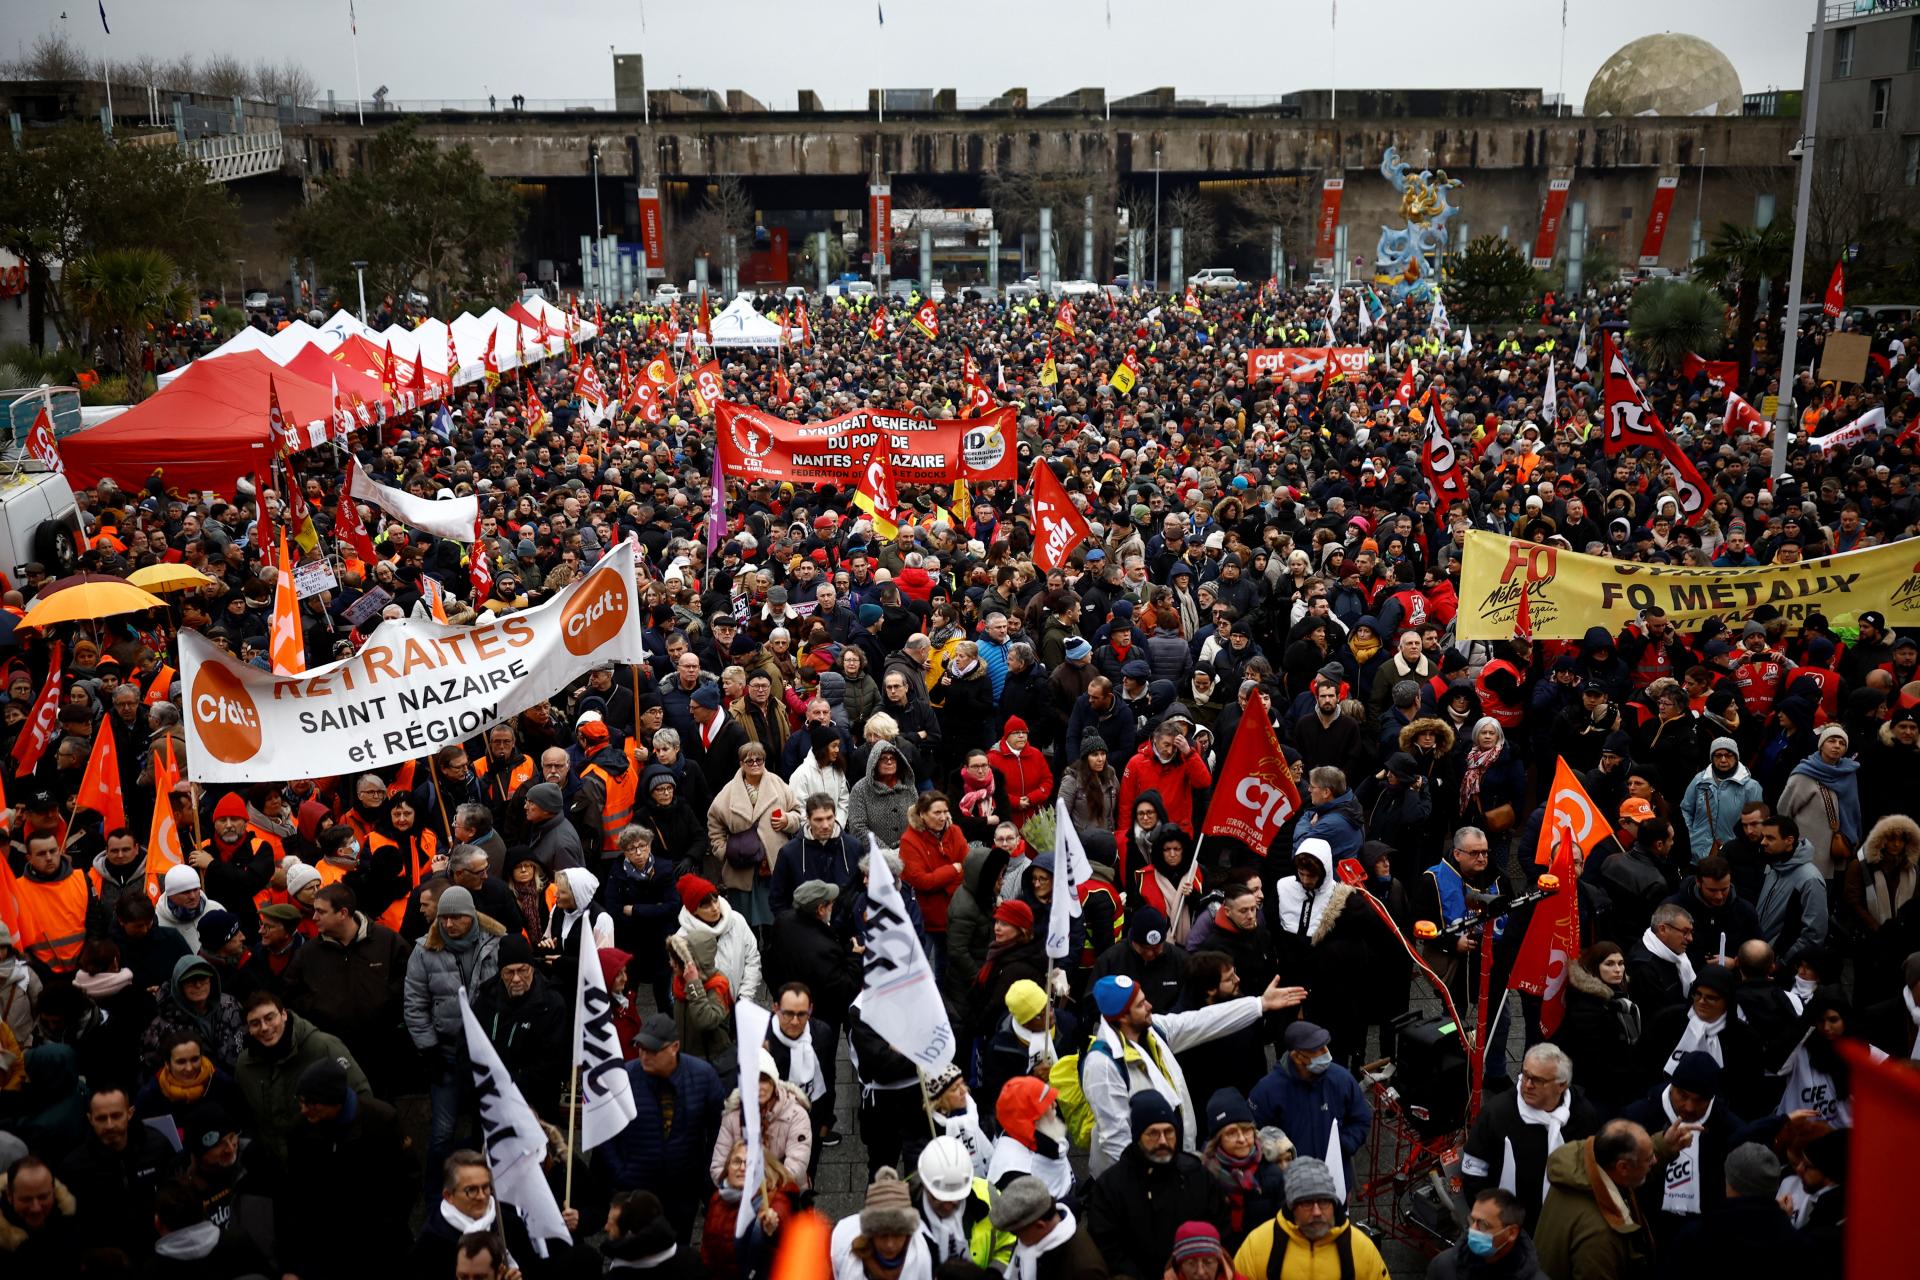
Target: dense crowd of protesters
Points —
{"points": [[206, 1084]]}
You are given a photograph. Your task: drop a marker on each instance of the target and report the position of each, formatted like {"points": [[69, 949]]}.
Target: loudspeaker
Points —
{"points": [[1430, 1073]]}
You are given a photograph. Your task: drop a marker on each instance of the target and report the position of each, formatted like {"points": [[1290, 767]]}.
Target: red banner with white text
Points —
{"points": [[1329, 220], [1547, 239], [879, 224], [755, 445], [1305, 364], [653, 232], [1657, 219]]}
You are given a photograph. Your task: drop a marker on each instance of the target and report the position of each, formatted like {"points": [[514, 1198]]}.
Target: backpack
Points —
{"points": [[1066, 1078]]}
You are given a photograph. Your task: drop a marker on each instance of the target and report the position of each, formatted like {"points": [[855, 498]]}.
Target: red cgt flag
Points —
{"points": [[1552, 941], [1254, 795], [479, 567], [100, 784], [42, 722], [346, 521], [1886, 1131], [1741, 416], [1057, 527], [1836, 300]]}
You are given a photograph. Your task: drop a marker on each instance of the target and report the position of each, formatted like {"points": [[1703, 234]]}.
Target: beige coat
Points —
{"points": [[786, 1131], [732, 811]]}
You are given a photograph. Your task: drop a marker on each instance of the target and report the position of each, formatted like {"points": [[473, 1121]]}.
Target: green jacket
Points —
{"points": [[268, 1080], [1581, 1238]]}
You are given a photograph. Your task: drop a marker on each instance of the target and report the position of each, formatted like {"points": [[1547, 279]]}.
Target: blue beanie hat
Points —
{"points": [[1112, 995], [870, 614]]}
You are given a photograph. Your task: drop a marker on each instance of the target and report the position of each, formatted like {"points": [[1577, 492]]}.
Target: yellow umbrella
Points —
{"points": [[85, 597], [167, 577]]}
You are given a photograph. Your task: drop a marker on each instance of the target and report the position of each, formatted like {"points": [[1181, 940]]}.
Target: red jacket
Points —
{"points": [[933, 867], [1028, 779], [1176, 781]]}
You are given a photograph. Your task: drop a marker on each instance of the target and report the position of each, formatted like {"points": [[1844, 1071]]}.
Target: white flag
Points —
{"points": [[1550, 398], [1861, 429], [1071, 869], [1337, 1163], [1913, 380], [1333, 307], [1365, 313], [1466, 340], [1580, 350], [606, 1094], [449, 518], [750, 1023], [513, 1139], [1438, 320], [898, 997]]}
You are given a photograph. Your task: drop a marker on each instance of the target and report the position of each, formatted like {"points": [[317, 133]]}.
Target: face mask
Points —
{"points": [[1320, 1064], [1480, 1243], [1803, 987]]}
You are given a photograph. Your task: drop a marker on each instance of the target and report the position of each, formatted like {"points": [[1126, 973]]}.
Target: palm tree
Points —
{"points": [[1671, 319], [121, 293], [1737, 260]]}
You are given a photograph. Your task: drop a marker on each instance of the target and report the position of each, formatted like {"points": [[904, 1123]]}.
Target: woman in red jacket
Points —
{"points": [[933, 850], [1028, 779]]}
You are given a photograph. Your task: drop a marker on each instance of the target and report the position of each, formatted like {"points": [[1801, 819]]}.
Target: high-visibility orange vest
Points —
{"points": [[616, 811], [518, 771], [161, 686], [53, 920]]}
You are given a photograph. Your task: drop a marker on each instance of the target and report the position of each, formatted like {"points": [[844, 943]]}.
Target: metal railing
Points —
{"points": [[1849, 10], [232, 156]]}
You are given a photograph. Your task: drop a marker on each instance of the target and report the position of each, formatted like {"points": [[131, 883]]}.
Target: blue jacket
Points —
{"points": [[655, 903], [672, 1166], [1338, 823], [1305, 1109]]}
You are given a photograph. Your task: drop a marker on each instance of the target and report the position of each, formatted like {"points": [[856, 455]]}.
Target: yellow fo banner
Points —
{"points": [[1568, 592]]}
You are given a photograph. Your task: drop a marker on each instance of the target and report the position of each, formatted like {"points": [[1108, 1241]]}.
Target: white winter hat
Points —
{"points": [[180, 879]]}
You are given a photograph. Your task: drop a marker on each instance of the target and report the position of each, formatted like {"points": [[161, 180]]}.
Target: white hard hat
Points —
{"points": [[946, 1170]]}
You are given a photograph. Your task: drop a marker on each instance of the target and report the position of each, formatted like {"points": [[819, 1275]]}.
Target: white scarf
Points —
{"points": [[1552, 1121], [1039, 1044], [1156, 1079], [1025, 1263], [803, 1064], [1683, 1171], [462, 1224], [1700, 1034], [965, 1128], [946, 1237], [1651, 941], [1913, 1012]]}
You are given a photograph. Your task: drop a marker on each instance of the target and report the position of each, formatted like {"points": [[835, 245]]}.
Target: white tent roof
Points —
{"points": [[293, 339], [340, 326], [558, 318], [406, 344], [741, 326], [248, 339]]}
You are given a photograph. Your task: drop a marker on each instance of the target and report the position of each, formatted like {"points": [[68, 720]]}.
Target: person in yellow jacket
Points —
{"points": [[1312, 1235]]}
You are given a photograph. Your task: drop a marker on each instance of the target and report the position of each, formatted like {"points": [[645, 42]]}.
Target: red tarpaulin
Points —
{"points": [[528, 320], [370, 358], [202, 430], [322, 370]]}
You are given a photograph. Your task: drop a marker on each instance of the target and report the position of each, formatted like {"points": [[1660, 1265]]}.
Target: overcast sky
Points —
{"points": [[440, 49]]}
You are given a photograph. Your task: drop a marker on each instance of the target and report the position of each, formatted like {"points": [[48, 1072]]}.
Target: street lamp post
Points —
{"points": [[1156, 219], [1790, 323], [360, 274], [599, 254]]}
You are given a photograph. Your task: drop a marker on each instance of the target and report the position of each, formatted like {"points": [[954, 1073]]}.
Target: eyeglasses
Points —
{"points": [[1527, 1077], [478, 1191]]}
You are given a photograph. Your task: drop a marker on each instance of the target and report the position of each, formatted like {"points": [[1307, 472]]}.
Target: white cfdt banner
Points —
{"points": [[414, 687]]}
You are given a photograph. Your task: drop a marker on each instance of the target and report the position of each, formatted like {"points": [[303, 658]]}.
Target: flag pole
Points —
{"points": [[926, 1099], [359, 106], [573, 1112]]}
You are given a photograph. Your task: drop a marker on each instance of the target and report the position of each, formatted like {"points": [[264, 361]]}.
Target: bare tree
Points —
{"points": [[1288, 203], [145, 69], [1194, 214], [224, 76], [55, 56], [724, 215], [289, 80], [182, 74]]}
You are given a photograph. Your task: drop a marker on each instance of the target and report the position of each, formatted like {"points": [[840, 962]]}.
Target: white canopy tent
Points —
{"points": [[741, 326], [248, 339], [558, 319]]}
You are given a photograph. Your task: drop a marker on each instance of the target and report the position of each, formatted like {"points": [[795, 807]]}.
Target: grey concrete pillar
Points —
{"points": [[700, 273], [1046, 250], [1086, 244], [1576, 244], [993, 259], [1277, 255], [821, 266], [1176, 260], [926, 262], [1341, 268]]}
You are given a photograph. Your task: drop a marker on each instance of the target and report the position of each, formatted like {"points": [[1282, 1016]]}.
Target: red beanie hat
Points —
{"points": [[1015, 725], [694, 890], [593, 731], [1015, 912], [230, 806]]}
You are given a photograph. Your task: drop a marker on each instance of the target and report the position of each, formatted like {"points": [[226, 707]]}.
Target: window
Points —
{"points": [[1913, 45], [1882, 102], [1910, 164], [1843, 53]]}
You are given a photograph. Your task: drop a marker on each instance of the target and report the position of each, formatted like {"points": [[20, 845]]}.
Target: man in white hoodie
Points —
{"points": [[1133, 1050]]}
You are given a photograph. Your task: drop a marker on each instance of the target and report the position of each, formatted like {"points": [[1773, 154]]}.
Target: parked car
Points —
{"points": [[1215, 280], [257, 300], [664, 293], [1075, 288]]}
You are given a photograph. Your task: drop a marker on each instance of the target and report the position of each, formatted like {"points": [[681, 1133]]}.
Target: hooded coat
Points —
{"points": [[786, 1131], [969, 922], [222, 1027], [435, 975], [1793, 905], [1589, 1227], [881, 809], [1712, 804], [727, 948]]}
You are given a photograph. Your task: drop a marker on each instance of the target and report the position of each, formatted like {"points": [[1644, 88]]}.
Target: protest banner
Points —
{"points": [[1305, 364], [414, 687], [1568, 592], [599, 1069], [898, 997], [756, 445], [450, 518]]}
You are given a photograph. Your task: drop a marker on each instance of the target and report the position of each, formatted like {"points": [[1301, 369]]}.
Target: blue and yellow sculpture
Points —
{"points": [[1407, 262]]}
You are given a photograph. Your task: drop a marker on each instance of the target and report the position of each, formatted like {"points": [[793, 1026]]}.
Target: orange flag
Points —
{"points": [[163, 838], [100, 785], [1569, 805], [286, 642], [9, 900]]}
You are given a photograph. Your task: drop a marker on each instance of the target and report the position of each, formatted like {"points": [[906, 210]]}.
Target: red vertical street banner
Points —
{"points": [[653, 232], [1886, 1128], [879, 224], [1329, 220], [1548, 237], [1657, 218]]}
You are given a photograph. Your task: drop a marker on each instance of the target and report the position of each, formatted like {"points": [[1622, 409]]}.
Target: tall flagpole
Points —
{"points": [[1562, 108], [1790, 323], [1333, 65], [353, 21]]}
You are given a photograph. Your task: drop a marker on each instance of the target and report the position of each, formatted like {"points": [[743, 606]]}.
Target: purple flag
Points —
{"points": [[717, 513]]}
